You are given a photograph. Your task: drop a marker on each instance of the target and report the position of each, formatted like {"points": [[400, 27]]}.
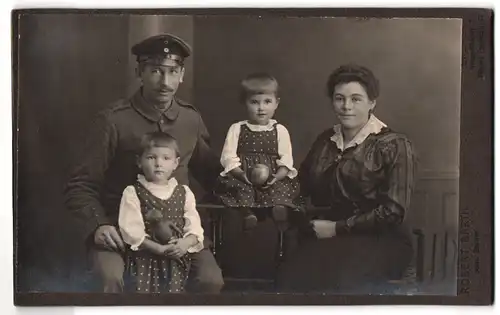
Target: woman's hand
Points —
{"points": [[324, 228]]}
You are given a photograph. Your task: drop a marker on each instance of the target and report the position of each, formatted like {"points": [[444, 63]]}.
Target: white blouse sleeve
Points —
{"points": [[285, 151], [192, 224], [229, 159], [130, 219]]}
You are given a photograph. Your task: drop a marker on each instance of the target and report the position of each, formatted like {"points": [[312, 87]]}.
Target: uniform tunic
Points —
{"points": [[108, 160]]}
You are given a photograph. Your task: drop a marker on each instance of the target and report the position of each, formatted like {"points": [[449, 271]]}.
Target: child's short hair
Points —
{"points": [[258, 83], [158, 139]]}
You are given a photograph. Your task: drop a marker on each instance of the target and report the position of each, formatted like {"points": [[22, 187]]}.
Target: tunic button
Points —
{"points": [[161, 121]]}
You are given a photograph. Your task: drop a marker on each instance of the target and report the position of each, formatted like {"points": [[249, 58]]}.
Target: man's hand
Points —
{"points": [[107, 236]]}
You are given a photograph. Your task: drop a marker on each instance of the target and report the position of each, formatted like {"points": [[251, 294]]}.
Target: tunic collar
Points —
{"points": [[150, 112]]}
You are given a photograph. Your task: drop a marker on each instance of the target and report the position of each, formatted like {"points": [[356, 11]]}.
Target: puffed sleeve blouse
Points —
{"points": [[367, 182]]}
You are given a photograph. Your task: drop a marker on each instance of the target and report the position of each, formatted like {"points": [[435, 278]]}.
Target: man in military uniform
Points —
{"points": [[108, 163]]}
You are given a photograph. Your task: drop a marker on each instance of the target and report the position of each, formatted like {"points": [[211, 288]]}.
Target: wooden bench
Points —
{"points": [[415, 272]]}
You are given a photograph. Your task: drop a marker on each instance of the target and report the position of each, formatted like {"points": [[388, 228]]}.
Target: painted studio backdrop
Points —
{"points": [[71, 66]]}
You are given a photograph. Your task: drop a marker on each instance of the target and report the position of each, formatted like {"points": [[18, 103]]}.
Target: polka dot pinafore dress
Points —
{"points": [[153, 273], [256, 147]]}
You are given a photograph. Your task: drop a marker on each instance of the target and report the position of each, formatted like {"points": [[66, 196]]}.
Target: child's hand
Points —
{"points": [[245, 179], [164, 250], [280, 175], [179, 247], [273, 179], [239, 174]]}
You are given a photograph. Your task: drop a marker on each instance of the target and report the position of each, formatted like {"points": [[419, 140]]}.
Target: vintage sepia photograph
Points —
{"points": [[227, 154]]}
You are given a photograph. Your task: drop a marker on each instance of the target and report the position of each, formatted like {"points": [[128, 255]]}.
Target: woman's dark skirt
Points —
{"points": [[347, 264]]}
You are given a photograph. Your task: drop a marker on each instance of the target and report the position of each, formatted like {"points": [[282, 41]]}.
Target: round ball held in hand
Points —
{"points": [[259, 174]]}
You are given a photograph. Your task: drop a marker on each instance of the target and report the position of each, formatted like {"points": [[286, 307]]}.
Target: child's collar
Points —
{"points": [[171, 182], [253, 127]]}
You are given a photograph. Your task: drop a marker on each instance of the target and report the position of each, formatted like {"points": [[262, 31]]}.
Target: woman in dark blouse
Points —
{"points": [[364, 171]]}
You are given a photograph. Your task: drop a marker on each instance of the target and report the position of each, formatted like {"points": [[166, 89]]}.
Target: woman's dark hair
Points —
{"points": [[157, 139], [354, 73], [258, 83]]}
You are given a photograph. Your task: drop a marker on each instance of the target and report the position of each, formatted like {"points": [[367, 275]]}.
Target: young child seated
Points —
{"points": [[158, 220], [257, 157]]}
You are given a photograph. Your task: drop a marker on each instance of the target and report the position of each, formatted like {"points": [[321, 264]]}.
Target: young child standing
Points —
{"points": [[257, 157], [159, 220]]}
